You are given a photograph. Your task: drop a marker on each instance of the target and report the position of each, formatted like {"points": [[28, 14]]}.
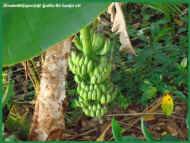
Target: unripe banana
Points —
{"points": [[86, 41], [74, 57], [93, 79], [92, 113], [86, 60], [91, 87], [90, 67], [77, 70], [106, 48], [77, 43], [103, 88], [98, 94], [103, 100], [89, 95], [78, 89], [98, 113], [98, 42], [83, 70], [94, 108], [80, 62], [71, 65], [82, 85], [77, 79], [109, 98], [94, 95]]}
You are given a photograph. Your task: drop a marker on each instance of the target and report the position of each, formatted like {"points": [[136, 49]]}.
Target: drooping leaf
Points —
{"points": [[8, 93], [116, 130], [8, 90], [146, 133], [119, 26], [29, 31], [167, 8]]}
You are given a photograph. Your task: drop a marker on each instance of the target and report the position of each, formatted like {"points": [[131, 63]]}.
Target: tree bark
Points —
{"points": [[48, 119]]}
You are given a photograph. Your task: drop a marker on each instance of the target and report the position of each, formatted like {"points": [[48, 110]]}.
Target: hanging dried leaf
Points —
{"points": [[119, 26]]}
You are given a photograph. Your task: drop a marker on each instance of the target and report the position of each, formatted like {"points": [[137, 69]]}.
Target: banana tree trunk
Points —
{"points": [[48, 119]]}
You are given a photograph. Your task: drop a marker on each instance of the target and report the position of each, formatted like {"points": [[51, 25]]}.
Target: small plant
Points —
{"points": [[149, 91]]}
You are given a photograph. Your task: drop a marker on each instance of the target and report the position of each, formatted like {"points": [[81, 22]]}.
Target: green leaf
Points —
{"points": [[29, 31], [148, 91], [146, 133], [123, 101], [180, 95], [11, 138], [7, 94], [8, 88], [116, 129], [167, 8]]}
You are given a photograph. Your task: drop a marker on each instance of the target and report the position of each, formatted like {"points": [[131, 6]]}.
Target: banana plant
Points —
{"points": [[27, 32]]}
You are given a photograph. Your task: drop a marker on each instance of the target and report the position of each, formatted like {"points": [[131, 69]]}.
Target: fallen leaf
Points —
{"points": [[151, 110], [149, 117], [102, 136], [119, 26], [172, 128], [178, 22]]}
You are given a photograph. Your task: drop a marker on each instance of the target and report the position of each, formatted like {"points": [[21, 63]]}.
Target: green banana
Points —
{"points": [[98, 42], [86, 41], [77, 43], [94, 95], [90, 67], [106, 48], [103, 100]]}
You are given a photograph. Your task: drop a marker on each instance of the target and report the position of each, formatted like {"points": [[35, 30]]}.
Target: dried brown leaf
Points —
{"points": [[119, 26]]}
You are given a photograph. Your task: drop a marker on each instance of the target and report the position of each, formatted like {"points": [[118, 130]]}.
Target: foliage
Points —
{"points": [[148, 91], [161, 61], [41, 28]]}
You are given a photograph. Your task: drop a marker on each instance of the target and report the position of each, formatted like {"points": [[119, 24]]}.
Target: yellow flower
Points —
{"points": [[167, 104]]}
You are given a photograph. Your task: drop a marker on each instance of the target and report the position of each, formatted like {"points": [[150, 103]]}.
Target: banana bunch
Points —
{"points": [[92, 70]]}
